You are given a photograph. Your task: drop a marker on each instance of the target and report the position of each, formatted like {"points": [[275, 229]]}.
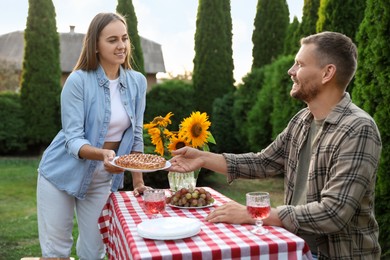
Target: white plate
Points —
{"points": [[167, 165], [169, 228], [202, 207]]}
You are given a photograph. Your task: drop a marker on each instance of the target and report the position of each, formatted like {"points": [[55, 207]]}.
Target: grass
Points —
{"points": [[238, 188], [18, 219]]}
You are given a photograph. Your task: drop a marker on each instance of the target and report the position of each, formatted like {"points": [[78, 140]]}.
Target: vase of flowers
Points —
{"points": [[193, 131], [178, 180]]}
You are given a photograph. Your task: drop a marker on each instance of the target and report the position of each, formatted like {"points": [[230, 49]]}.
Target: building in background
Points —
{"points": [[12, 52]]}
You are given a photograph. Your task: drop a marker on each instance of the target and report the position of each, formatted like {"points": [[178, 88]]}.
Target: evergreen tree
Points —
{"points": [[271, 23], [41, 74], [258, 127], [340, 16], [291, 43], [372, 93], [126, 8], [213, 61], [244, 99], [309, 18], [223, 127], [284, 106]]}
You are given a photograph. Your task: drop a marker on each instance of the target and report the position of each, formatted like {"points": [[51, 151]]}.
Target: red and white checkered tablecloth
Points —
{"points": [[123, 212]]}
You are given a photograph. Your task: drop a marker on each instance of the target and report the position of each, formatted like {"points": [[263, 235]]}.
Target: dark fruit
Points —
{"points": [[198, 197]]}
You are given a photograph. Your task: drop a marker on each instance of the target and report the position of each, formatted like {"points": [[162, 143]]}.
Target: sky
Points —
{"points": [[171, 23]]}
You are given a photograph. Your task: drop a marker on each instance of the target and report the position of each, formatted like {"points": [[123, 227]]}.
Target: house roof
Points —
{"points": [[12, 50]]}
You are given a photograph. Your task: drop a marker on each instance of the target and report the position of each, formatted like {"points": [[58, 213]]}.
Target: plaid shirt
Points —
{"points": [[341, 180]]}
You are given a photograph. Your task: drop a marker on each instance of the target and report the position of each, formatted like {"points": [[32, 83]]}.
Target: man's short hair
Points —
{"points": [[338, 49]]}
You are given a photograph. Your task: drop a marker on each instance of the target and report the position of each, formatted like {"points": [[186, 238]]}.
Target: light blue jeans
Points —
{"points": [[55, 218]]}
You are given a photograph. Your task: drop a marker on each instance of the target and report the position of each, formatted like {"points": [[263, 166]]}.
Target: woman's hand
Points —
{"points": [[108, 156], [232, 213], [139, 189]]}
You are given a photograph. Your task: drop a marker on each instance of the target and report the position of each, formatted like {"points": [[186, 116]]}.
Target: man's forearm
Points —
{"points": [[214, 162]]}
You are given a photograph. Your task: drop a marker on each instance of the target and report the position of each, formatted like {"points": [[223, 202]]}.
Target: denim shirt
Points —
{"points": [[85, 115]]}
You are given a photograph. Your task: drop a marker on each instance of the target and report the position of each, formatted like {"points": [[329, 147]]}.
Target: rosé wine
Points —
{"points": [[259, 207], [154, 207], [259, 212]]}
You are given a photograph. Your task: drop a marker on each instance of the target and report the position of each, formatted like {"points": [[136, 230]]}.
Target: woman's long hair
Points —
{"points": [[89, 59]]}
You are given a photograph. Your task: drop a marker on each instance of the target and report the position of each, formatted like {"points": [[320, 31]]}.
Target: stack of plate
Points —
{"points": [[169, 228]]}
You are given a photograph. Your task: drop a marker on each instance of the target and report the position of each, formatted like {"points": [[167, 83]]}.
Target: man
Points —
{"points": [[328, 153]]}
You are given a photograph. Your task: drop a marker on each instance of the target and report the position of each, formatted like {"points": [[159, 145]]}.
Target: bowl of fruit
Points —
{"points": [[191, 198]]}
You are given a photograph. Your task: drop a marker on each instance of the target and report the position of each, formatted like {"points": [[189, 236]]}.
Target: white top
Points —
{"points": [[120, 121]]}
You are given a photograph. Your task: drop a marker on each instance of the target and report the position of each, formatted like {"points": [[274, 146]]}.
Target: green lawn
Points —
{"points": [[18, 219]]}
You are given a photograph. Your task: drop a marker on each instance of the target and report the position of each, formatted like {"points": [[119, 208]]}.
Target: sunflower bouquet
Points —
{"points": [[193, 131]]}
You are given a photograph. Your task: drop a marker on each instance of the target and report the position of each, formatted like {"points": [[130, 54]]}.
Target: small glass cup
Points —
{"points": [[154, 202], [259, 207]]}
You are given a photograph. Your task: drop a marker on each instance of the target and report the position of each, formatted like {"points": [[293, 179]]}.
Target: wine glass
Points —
{"points": [[259, 207], [154, 201]]}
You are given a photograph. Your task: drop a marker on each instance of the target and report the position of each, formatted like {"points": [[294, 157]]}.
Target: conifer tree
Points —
{"points": [[245, 98], [291, 43], [271, 23], [340, 16], [372, 93], [213, 61], [126, 8], [41, 74], [309, 18]]}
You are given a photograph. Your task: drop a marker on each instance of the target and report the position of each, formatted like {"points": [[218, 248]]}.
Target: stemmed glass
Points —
{"points": [[259, 207], [154, 201]]}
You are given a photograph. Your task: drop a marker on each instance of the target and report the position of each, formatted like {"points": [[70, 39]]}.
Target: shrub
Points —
{"points": [[223, 127], [174, 96], [12, 128]]}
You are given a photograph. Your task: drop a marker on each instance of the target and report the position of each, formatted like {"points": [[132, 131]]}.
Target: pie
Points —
{"points": [[141, 161]]}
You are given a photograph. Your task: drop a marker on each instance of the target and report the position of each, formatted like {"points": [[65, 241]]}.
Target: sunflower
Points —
{"points": [[194, 129], [177, 142], [160, 121], [155, 135]]}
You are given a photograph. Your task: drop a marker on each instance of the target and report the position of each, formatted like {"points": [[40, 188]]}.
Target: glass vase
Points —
{"points": [[178, 180]]}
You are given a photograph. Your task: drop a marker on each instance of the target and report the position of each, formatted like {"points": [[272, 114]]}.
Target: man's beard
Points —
{"points": [[305, 94]]}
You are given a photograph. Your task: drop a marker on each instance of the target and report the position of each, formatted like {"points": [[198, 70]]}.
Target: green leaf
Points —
{"points": [[210, 139]]}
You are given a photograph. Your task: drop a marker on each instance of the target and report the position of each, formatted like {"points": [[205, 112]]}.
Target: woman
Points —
{"points": [[102, 106]]}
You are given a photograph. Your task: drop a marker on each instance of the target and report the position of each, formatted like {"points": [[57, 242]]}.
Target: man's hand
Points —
{"points": [[232, 213], [186, 159], [235, 213]]}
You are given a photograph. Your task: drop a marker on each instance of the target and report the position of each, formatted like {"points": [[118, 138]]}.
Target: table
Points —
{"points": [[123, 212]]}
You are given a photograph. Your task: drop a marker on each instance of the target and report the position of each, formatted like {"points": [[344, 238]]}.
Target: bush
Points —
{"points": [[174, 96], [244, 99], [12, 127], [259, 127], [223, 127], [284, 106]]}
